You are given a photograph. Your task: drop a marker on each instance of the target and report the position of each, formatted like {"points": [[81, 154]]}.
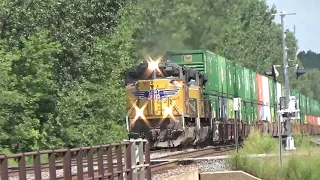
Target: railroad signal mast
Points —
{"points": [[288, 108]]}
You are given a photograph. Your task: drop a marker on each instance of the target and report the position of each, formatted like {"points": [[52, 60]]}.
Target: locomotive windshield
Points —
{"points": [[142, 72]]}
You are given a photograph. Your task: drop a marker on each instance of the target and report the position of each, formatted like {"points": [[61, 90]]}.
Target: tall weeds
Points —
{"points": [[295, 167]]}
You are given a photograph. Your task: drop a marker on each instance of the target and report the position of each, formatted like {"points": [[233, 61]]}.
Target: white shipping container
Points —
{"points": [[267, 113], [279, 91], [265, 90], [318, 120]]}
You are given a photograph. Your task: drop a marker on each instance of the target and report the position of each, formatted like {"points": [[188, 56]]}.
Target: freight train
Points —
{"points": [[187, 98]]}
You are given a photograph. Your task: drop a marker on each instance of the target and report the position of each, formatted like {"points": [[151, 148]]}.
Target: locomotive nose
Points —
{"points": [[157, 94]]}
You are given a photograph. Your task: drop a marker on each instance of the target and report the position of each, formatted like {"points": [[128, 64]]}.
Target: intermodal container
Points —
{"points": [[239, 88], [279, 91], [223, 106], [230, 78], [315, 120], [255, 111], [305, 119], [204, 61], [318, 121], [302, 118], [243, 112], [253, 86], [294, 93], [259, 88], [267, 113], [308, 111], [315, 113], [264, 112], [222, 71], [272, 92], [214, 100], [265, 91], [250, 113], [246, 84], [302, 103], [247, 112], [230, 107], [312, 104], [260, 112], [310, 119], [273, 117], [317, 108]]}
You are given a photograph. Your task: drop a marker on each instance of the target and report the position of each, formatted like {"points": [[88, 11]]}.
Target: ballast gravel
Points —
{"points": [[202, 166]]}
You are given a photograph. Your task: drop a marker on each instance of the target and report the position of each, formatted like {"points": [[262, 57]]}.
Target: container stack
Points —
{"points": [[228, 80]]}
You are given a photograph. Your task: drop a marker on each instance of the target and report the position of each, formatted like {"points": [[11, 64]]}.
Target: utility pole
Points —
{"points": [[290, 140]]}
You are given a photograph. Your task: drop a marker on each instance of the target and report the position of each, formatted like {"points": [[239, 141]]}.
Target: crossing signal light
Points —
{"points": [[298, 72], [274, 73]]}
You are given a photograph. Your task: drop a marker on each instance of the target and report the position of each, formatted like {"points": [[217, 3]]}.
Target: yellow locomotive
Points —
{"points": [[165, 104]]}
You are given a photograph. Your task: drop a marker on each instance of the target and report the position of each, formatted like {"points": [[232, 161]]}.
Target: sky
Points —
{"points": [[306, 20]]}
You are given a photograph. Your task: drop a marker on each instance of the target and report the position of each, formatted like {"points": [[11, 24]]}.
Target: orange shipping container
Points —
{"points": [[259, 88], [310, 119], [305, 119]]}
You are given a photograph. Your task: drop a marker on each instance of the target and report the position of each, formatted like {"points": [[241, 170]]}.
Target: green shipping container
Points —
{"points": [[214, 100], [243, 113], [317, 110], [204, 61], [248, 113], [272, 87], [246, 85], [295, 93], [302, 103], [253, 85], [255, 111], [223, 75], [230, 107], [302, 118], [230, 78], [239, 88], [313, 106], [308, 112], [273, 117]]}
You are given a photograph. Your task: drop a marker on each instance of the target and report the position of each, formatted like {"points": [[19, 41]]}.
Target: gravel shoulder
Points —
{"points": [[202, 166]]}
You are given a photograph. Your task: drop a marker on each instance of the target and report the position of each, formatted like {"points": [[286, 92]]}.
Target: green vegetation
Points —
{"points": [[61, 62], [294, 166]]}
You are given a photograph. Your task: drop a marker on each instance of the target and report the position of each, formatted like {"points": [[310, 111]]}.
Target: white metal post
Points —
{"points": [[279, 118], [237, 108], [290, 140]]}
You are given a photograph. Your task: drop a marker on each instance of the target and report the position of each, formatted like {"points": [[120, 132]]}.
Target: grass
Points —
{"points": [[295, 167]]}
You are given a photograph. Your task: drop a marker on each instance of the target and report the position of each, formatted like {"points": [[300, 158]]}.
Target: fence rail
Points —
{"points": [[129, 160]]}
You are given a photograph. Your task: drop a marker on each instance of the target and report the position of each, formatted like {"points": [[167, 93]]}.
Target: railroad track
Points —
{"points": [[158, 165]]}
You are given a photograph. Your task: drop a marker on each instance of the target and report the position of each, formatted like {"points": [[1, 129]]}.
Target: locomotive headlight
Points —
{"points": [[168, 111], [153, 65], [139, 112]]}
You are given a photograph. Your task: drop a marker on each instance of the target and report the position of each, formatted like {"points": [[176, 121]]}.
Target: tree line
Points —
{"points": [[62, 62]]}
